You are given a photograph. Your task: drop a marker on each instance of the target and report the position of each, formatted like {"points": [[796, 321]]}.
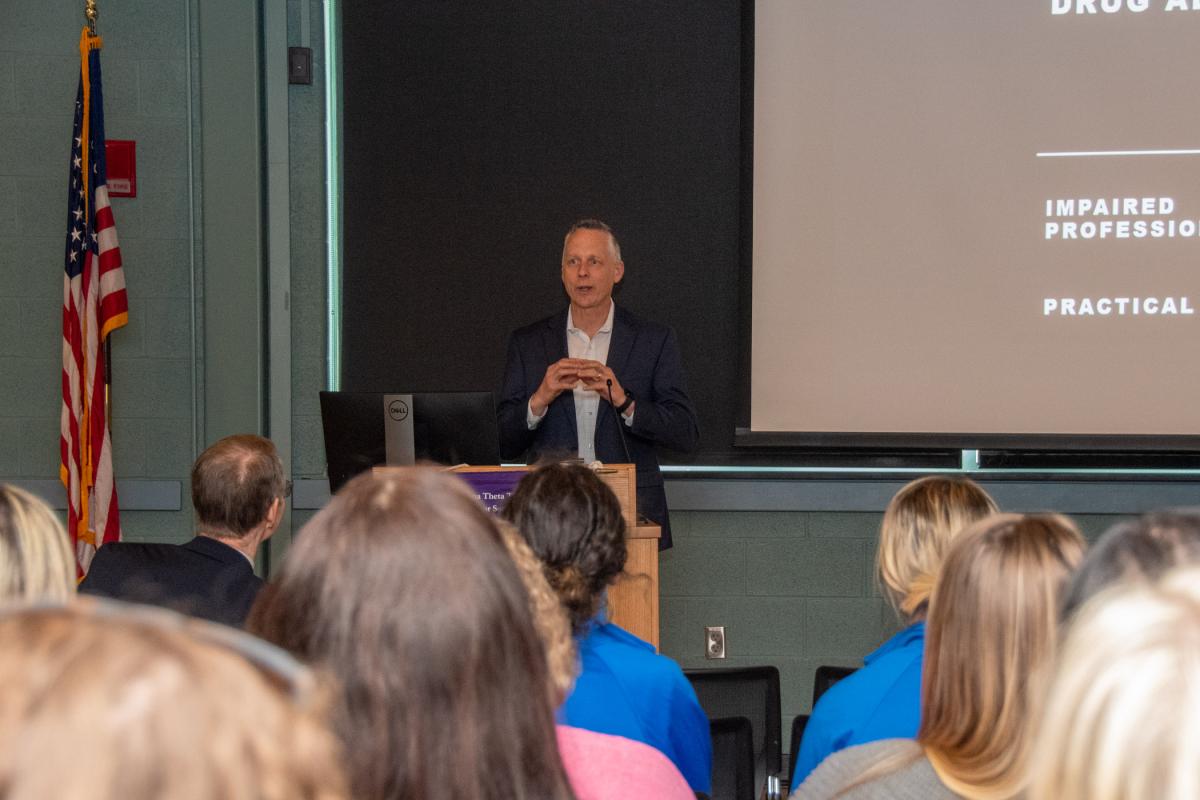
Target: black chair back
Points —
{"points": [[753, 693], [733, 759], [798, 724], [827, 677]]}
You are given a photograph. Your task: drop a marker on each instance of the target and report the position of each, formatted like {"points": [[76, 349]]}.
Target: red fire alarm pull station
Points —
{"points": [[120, 156]]}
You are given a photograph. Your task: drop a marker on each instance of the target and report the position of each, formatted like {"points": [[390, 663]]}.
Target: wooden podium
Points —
{"points": [[633, 599]]}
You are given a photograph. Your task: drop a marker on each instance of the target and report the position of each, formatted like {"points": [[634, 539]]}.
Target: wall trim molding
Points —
{"points": [[1103, 496], [135, 495]]}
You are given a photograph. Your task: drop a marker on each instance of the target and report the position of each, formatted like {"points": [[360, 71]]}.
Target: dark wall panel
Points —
{"points": [[474, 134]]}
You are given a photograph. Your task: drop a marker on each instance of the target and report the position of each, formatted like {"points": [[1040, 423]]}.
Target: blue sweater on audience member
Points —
{"points": [[626, 689], [880, 701]]}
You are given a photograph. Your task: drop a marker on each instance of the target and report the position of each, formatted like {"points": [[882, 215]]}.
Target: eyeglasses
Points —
{"points": [[287, 488]]}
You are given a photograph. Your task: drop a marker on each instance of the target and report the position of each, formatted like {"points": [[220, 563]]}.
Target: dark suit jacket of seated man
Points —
{"points": [[643, 363], [237, 491]]}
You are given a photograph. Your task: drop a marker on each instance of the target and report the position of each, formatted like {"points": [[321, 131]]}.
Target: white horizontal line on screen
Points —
{"points": [[1100, 153]]}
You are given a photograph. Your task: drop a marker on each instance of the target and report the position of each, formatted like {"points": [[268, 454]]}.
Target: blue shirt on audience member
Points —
{"points": [[626, 689], [880, 701]]}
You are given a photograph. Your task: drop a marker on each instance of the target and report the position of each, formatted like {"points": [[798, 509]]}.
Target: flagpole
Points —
{"points": [[91, 12]]}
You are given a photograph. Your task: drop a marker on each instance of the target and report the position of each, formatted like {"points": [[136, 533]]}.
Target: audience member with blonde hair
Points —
{"points": [[573, 522], [1122, 715], [600, 766], [110, 702], [35, 556], [402, 588], [992, 622], [882, 700]]}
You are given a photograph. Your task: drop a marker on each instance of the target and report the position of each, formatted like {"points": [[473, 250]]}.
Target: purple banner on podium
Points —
{"points": [[493, 488]]}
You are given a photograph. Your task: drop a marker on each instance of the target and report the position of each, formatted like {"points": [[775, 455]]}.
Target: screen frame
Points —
{"points": [[1113, 449]]}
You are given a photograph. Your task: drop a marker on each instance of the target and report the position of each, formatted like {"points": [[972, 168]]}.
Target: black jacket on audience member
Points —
{"points": [[203, 578]]}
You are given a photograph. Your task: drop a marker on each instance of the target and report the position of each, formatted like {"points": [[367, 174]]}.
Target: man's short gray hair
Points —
{"points": [[593, 225]]}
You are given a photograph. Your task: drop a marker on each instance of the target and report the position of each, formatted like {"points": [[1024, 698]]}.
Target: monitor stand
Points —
{"points": [[398, 441]]}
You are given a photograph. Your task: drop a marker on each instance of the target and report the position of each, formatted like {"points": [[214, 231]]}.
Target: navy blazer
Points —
{"points": [[645, 358], [203, 578]]}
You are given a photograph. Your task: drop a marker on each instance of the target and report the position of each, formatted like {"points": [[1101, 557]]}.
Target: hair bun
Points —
{"points": [[574, 590]]}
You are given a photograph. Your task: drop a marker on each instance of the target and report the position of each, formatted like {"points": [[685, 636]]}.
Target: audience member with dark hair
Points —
{"points": [[238, 490], [111, 702], [35, 556], [573, 522], [992, 623], [883, 699], [600, 766], [1121, 716], [403, 589], [1141, 550]]}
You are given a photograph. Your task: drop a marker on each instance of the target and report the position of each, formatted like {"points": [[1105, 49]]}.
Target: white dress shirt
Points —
{"points": [[587, 402]]}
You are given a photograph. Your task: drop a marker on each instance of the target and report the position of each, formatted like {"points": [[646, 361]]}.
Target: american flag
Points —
{"points": [[94, 304]]}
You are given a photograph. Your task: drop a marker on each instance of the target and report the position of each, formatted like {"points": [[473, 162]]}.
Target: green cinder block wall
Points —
{"points": [[146, 99], [793, 589]]}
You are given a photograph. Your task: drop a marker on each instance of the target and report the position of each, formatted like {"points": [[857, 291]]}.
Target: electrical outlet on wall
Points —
{"points": [[714, 641]]}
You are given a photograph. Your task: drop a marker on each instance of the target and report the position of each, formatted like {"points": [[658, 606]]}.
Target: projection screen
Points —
{"points": [[976, 218]]}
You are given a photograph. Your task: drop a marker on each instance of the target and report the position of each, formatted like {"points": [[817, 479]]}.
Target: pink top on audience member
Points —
{"points": [[604, 767]]}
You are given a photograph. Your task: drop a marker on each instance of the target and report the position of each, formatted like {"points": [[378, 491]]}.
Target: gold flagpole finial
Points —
{"points": [[90, 12]]}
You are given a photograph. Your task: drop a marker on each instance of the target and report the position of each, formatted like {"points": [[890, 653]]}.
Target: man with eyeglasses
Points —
{"points": [[238, 492]]}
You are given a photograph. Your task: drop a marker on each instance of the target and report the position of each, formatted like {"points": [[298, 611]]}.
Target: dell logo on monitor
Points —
{"points": [[398, 410]]}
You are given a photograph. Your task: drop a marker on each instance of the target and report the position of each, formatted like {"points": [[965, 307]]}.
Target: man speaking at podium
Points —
{"points": [[572, 376]]}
